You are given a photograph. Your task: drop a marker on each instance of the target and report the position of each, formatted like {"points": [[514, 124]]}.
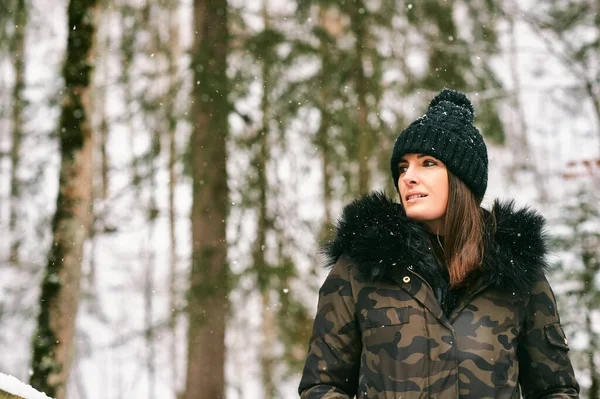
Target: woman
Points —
{"points": [[435, 297]]}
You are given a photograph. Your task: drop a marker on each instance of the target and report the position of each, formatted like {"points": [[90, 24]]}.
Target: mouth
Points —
{"points": [[415, 197]]}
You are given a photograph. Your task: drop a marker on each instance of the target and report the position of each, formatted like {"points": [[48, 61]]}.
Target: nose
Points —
{"points": [[410, 178]]}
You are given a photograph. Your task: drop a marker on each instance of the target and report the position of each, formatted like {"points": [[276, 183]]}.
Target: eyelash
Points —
{"points": [[400, 168]]}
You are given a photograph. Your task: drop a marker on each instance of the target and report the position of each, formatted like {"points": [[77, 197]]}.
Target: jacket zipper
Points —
{"points": [[410, 268], [447, 324]]}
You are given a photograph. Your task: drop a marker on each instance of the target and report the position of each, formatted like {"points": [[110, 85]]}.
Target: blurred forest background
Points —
{"points": [[168, 170]]}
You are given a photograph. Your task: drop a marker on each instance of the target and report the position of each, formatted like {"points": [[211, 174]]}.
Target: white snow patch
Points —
{"points": [[10, 384]]}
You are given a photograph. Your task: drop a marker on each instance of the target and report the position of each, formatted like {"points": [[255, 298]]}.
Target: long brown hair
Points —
{"points": [[464, 230]]}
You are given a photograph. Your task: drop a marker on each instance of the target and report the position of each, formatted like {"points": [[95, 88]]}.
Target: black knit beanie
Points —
{"points": [[446, 132]]}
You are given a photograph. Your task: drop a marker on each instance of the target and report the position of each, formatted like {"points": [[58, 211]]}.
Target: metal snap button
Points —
{"points": [[566, 342], [406, 279]]}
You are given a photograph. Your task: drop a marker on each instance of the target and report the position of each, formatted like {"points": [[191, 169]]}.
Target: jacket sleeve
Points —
{"points": [[545, 370], [332, 363]]}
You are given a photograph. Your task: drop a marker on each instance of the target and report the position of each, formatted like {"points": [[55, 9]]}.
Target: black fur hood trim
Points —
{"points": [[375, 233]]}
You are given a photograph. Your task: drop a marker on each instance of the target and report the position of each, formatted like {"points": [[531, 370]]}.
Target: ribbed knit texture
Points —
{"points": [[446, 132]]}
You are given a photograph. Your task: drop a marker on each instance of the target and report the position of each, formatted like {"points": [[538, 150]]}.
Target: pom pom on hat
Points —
{"points": [[454, 97]]}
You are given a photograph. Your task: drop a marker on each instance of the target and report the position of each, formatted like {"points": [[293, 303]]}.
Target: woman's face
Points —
{"points": [[423, 185]]}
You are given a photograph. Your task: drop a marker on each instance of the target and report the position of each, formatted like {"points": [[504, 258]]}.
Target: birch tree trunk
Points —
{"points": [[54, 340], [209, 286]]}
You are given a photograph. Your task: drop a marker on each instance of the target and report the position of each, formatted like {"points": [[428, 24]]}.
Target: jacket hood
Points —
{"points": [[375, 233]]}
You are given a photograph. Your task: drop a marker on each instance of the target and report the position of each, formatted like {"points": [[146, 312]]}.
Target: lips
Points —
{"points": [[414, 196]]}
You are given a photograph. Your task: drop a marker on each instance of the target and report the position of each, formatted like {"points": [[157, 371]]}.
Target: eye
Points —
{"points": [[402, 169], [429, 162]]}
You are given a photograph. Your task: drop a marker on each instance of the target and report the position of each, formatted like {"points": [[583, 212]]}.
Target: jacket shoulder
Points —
{"points": [[516, 254]]}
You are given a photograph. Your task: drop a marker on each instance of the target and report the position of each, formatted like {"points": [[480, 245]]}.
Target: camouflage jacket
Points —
{"points": [[388, 326]]}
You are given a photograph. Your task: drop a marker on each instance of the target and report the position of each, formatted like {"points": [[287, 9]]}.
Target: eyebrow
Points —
{"points": [[419, 156]]}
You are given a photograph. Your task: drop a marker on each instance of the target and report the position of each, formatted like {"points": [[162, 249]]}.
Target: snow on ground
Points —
{"points": [[10, 384]]}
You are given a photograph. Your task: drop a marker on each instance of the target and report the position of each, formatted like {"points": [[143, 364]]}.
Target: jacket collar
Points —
{"points": [[375, 233]]}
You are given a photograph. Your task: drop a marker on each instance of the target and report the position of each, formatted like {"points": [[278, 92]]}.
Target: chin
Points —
{"points": [[417, 218], [422, 216]]}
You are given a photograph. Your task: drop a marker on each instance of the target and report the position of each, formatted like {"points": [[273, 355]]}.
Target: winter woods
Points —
{"points": [[169, 169]]}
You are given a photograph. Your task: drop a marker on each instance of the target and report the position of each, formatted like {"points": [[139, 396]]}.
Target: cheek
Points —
{"points": [[443, 190], [439, 210], [445, 197], [401, 191]]}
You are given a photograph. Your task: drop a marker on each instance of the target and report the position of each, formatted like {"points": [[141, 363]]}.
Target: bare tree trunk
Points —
{"points": [[103, 149], [99, 101], [173, 54], [208, 304], [589, 89], [263, 224], [522, 149], [594, 392], [575, 61], [359, 29], [152, 211], [323, 132], [20, 15], [53, 343], [127, 56], [173, 260], [267, 360], [149, 308]]}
